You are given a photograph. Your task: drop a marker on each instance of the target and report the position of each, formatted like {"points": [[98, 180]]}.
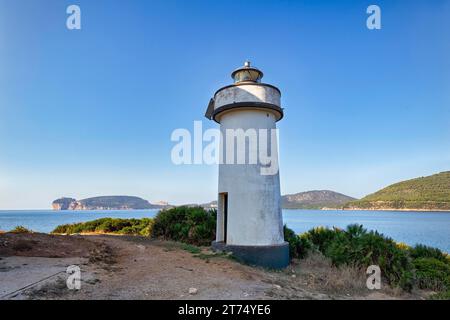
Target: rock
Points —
{"points": [[63, 203], [193, 291]]}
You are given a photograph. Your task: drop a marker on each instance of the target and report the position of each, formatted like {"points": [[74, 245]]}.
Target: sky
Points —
{"points": [[90, 112]]}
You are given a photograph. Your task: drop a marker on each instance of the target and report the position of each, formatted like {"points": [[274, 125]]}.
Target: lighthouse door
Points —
{"points": [[225, 216], [222, 219]]}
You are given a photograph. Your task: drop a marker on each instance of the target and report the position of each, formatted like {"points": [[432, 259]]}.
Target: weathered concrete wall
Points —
{"points": [[247, 93], [254, 200]]}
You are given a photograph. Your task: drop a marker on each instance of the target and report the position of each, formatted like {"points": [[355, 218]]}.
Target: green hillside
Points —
{"points": [[425, 193]]}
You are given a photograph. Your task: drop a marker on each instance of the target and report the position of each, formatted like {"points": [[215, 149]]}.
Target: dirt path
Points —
{"points": [[140, 268], [155, 270]]}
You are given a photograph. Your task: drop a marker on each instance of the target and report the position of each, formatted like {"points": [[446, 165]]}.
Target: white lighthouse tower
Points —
{"points": [[249, 219]]}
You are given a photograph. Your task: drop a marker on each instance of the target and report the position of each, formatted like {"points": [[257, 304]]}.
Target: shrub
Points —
{"points": [[20, 229], [294, 242], [432, 273], [421, 251], [402, 246], [193, 225], [321, 237], [145, 227], [401, 265], [355, 246], [299, 246], [141, 227], [305, 247]]}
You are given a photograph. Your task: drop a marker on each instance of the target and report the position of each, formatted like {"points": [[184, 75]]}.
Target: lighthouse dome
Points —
{"points": [[247, 73]]}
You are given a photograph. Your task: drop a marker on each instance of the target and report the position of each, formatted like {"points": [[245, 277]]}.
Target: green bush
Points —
{"points": [[109, 225], [20, 229], [299, 246], [145, 227], [357, 247], [193, 225], [432, 273], [401, 265], [421, 251], [321, 237], [294, 242], [305, 246]]}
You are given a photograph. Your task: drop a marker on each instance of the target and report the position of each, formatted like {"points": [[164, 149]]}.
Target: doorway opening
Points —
{"points": [[224, 207]]}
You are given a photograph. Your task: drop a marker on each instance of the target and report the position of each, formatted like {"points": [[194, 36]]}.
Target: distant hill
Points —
{"points": [[318, 199], [425, 193], [104, 203]]}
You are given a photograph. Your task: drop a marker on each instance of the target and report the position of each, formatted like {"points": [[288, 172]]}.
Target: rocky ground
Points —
{"points": [[33, 266]]}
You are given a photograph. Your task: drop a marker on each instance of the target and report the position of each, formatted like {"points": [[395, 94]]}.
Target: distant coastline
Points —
{"points": [[105, 203], [371, 209], [392, 209], [424, 194]]}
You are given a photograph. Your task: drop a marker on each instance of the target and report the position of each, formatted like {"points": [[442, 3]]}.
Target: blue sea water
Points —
{"points": [[430, 228]]}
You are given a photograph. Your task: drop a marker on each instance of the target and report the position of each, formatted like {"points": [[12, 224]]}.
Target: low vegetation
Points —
{"points": [[20, 229], [195, 225], [141, 227], [190, 225], [402, 266], [321, 275]]}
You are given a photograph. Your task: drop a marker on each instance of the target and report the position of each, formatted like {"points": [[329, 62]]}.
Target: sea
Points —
{"points": [[428, 228]]}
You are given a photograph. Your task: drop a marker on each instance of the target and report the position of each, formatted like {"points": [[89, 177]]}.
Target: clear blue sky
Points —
{"points": [[90, 112]]}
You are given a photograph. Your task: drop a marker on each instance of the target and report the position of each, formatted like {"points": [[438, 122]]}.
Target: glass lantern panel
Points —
{"points": [[247, 75]]}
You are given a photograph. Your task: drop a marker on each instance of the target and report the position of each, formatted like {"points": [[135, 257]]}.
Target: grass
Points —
{"points": [[190, 248], [321, 274], [197, 252]]}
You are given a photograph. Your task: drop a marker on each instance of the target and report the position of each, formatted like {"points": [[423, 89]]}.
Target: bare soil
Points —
{"points": [[33, 266]]}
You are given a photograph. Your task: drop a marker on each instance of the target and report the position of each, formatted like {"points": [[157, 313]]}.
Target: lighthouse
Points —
{"points": [[249, 218]]}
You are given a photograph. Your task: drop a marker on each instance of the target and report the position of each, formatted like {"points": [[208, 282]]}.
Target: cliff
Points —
{"points": [[63, 203]]}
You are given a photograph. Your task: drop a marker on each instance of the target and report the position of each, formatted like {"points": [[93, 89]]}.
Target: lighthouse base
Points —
{"points": [[273, 257]]}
